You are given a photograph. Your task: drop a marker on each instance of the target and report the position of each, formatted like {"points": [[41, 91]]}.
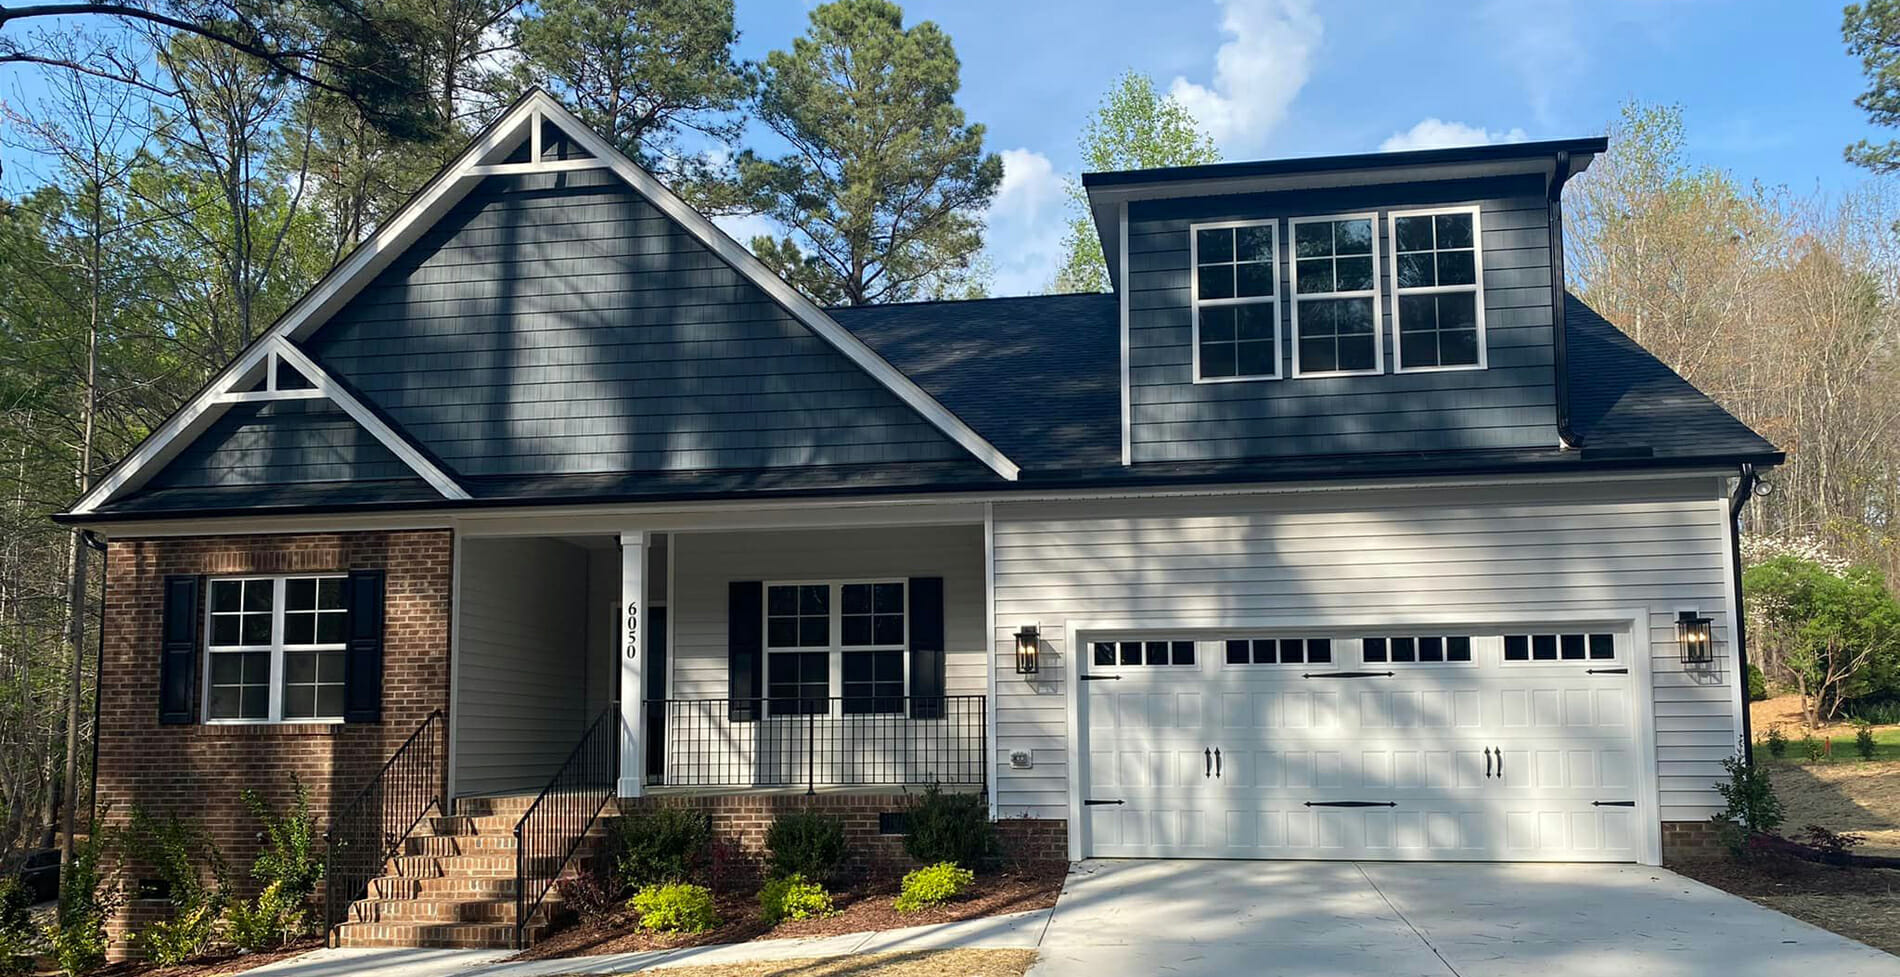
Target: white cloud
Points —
{"points": [[1258, 70], [744, 227], [1024, 240], [1436, 133]]}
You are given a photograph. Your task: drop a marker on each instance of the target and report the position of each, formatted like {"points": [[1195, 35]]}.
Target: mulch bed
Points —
{"points": [[861, 909], [1859, 903]]}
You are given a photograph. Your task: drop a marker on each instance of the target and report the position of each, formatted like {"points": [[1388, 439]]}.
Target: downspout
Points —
{"points": [[1559, 176], [97, 542], [1744, 490]]}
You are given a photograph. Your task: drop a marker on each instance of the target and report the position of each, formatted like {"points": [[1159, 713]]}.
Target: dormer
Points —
{"points": [[1389, 302]]}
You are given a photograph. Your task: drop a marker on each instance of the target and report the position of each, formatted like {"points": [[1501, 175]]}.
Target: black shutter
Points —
{"points": [[178, 664], [926, 647], [363, 653], [745, 650]]}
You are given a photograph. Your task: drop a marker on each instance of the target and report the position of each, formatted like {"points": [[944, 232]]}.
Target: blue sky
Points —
{"points": [[1767, 87]]}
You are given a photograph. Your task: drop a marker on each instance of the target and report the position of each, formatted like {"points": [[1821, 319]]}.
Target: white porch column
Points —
{"points": [[633, 566]]}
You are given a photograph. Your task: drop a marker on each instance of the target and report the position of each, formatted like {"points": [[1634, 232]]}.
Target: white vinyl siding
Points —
{"points": [[1476, 553], [704, 563], [523, 699]]}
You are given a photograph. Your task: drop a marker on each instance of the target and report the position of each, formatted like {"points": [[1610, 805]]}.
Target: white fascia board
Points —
{"points": [[795, 302], [396, 443], [336, 288]]}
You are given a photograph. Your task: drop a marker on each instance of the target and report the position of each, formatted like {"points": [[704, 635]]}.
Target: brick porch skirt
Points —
{"points": [[1689, 839], [742, 819]]}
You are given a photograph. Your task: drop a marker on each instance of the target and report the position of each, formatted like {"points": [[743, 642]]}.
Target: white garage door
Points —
{"points": [[1516, 744]]}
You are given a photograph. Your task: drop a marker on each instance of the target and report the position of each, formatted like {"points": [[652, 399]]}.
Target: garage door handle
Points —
{"points": [[1207, 763], [1217, 762], [1345, 674], [1500, 763], [1487, 763], [1352, 803]]}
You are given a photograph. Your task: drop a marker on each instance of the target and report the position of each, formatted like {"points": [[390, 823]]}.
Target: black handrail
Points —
{"points": [[364, 833], [814, 741], [551, 830]]}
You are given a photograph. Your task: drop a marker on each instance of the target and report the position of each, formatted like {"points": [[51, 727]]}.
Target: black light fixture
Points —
{"points": [[1695, 636], [1028, 645]]}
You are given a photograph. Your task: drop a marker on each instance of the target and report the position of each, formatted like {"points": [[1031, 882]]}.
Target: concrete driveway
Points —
{"points": [[1385, 919]]}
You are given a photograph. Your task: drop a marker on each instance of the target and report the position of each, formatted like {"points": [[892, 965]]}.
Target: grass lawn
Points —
{"points": [[916, 963]]}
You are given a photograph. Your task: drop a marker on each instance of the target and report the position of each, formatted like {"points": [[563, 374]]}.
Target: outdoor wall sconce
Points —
{"points": [[1028, 648], [1695, 636]]}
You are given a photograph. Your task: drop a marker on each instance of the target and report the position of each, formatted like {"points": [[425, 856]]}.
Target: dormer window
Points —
{"points": [[1438, 270], [1236, 300], [1336, 296]]}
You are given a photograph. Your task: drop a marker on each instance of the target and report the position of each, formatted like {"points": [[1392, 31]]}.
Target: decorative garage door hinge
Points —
{"points": [[1612, 803], [1345, 674], [1352, 803], [1098, 803], [1606, 671], [1099, 678]]}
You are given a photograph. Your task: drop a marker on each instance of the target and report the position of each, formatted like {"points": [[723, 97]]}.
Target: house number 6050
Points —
{"points": [[633, 630]]}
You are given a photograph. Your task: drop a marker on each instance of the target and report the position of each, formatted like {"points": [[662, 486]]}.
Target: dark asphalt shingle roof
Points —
{"points": [[1040, 378]]}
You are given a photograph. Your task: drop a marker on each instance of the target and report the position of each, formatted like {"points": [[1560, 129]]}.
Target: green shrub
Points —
{"points": [[933, 885], [1864, 740], [1751, 805], [1812, 749], [1883, 710], [805, 843], [88, 897], [1757, 684], [1777, 741], [952, 828], [18, 942], [271, 920], [792, 897], [196, 877], [675, 907], [669, 844]]}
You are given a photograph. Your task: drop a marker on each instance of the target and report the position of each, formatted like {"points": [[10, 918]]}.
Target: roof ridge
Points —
{"points": [[986, 298]]}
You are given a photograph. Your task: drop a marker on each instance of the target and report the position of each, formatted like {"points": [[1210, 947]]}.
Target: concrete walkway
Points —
{"points": [[1296, 919], [1308, 919], [1015, 931]]}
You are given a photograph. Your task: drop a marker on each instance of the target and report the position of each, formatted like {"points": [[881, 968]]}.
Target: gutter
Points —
{"points": [[1555, 196], [1744, 490]]}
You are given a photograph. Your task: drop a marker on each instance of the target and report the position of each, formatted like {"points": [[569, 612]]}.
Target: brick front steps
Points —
{"points": [[452, 884]]}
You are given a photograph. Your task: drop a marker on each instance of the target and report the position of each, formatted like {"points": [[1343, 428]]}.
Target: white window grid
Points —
{"points": [[276, 647], [835, 649], [1476, 288], [1373, 293], [1196, 303]]}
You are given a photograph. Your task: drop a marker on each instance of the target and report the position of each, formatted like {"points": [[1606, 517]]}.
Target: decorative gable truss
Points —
{"points": [[536, 135]]}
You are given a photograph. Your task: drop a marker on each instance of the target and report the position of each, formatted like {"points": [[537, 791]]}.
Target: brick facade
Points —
{"points": [[741, 820], [1690, 840], [199, 770]]}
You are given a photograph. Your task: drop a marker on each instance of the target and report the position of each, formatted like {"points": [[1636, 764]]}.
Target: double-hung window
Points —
{"points": [[1236, 306], [1438, 271], [1336, 296], [274, 649], [843, 641]]}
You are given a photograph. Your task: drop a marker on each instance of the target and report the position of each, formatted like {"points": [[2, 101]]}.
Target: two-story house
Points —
{"points": [[1339, 530]]}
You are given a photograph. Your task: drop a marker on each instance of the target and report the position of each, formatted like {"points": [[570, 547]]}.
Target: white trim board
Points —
{"points": [[482, 157]]}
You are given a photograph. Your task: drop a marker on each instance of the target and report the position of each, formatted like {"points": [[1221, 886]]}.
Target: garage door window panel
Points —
{"points": [[1428, 649], [1150, 653], [1567, 647], [1279, 651]]}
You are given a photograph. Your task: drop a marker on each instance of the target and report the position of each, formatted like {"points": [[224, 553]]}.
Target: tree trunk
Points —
{"points": [[76, 585]]}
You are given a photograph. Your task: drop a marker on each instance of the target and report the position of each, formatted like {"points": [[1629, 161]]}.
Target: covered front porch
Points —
{"points": [[702, 660]]}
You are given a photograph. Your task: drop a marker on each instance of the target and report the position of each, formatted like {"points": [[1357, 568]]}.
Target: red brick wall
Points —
{"points": [[199, 770], [1690, 839], [1034, 840]]}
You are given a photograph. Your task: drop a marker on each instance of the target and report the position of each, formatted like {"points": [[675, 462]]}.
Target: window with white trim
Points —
{"points": [[1236, 307], [844, 641], [1336, 296], [1438, 308], [1427, 649], [274, 649]]}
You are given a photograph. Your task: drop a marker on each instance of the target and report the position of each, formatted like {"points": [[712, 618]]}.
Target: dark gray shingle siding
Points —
{"points": [[557, 325], [1510, 404], [285, 442]]}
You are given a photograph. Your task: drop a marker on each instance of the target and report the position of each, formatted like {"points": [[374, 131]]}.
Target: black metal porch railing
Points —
{"points": [[366, 832], [551, 830], [814, 742]]}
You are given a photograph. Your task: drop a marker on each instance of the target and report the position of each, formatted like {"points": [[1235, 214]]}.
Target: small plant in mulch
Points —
{"points": [[1751, 808], [1812, 749], [669, 844], [196, 878], [1777, 741], [89, 895], [675, 907], [289, 866], [1835, 847], [805, 844], [933, 885], [952, 828], [793, 897], [593, 893]]}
